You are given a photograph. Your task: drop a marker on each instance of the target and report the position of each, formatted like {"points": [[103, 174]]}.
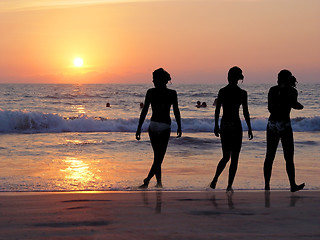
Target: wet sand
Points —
{"points": [[160, 215]]}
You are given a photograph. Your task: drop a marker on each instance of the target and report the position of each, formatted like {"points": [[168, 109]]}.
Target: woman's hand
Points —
{"points": [[138, 134], [179, 132], [216, 131], [250, 134]]}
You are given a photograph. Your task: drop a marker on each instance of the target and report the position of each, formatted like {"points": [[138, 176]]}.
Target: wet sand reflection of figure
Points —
{"points": [[292, 203], [230, 201], [161, 99], [158, 207], [230, 98], [281, 99]]}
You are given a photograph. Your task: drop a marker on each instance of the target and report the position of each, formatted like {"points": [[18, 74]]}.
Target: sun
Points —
{"points": [[78, 62]]}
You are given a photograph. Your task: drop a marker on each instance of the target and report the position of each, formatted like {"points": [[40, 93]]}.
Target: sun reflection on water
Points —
{"points": [[82, 142], [78, 174], [81, 109]]}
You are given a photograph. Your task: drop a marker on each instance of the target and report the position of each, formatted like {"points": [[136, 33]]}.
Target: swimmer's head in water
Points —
{"points": [[235, 74], [160, 76], [283, 76]]}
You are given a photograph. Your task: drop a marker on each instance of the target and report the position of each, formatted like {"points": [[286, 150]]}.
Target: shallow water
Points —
{"points": [[116, 161]]}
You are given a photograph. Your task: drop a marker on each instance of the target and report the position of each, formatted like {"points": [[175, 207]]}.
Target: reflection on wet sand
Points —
{"points": [[219, 203], [158, 193], [267, 199], [229, 200], [292, 203]]}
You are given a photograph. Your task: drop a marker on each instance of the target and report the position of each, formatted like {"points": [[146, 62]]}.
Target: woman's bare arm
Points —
{"points": [[247, 115], [177, 115], [216, 117], [143, 115]]}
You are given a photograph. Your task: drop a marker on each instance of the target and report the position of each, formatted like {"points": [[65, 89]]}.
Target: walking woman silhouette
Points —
{"points": [[161, 99], [230, 98]]}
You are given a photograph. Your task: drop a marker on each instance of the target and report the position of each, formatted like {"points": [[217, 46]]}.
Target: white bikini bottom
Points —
{"points": [[158, 127]]}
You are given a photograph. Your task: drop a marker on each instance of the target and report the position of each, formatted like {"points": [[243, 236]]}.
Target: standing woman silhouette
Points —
{"points": [[281, 99], [160, 98], [230, 98]]}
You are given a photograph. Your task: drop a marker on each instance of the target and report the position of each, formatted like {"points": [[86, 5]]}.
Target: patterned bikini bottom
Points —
{"points": [[279, 126]]}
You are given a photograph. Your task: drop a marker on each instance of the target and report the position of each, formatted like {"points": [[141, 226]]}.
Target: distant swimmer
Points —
{"points": [[281, 99], [230, 98], [204, 105], [201, 105], [141, 105], [108, 105], [161, 99]]}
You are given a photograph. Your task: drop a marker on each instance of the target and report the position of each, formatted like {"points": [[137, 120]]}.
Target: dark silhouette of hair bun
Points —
{"points": [[161, 75]]}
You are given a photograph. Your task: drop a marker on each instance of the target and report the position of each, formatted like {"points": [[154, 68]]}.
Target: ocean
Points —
{"points": [[63, 138]]}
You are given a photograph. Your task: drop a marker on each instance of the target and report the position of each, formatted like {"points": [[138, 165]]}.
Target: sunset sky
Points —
{"points": [[124, 41]]}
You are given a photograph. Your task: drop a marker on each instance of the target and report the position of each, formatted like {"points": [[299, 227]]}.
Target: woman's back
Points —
{"points": [[231, 97], [161, 100], [280, 102]]}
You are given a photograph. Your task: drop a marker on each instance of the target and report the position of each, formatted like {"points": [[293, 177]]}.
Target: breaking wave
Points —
{"points": [[38, 122]]}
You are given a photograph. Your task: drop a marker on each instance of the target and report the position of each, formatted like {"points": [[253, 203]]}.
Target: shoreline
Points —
{"points": [[245, 214], [151, 189]]}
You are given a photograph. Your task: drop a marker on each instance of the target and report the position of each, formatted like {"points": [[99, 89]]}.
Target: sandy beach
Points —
{"points": [[160, 215]]}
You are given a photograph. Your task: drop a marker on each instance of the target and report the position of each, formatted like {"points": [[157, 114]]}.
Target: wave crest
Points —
{"points": [[38, 122]]}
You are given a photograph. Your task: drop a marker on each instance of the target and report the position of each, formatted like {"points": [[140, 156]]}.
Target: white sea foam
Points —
{"points": [[38, 122]]}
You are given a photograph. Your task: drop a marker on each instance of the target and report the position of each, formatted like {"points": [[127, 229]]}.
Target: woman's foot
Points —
{"points": [[158, 185], [267, 187], [213, 184], [297, 187], [229, 190], [145, 184]]}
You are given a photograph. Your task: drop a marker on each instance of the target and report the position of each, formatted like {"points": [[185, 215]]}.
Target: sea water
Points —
{"points": [[64, 138]]}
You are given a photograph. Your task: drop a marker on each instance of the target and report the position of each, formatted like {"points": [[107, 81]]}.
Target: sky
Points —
{"points": [[122, 41]]}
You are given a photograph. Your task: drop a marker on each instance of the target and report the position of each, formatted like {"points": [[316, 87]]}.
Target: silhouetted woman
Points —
{"points": [[281, 99], [230, 98], [161, 98]]}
